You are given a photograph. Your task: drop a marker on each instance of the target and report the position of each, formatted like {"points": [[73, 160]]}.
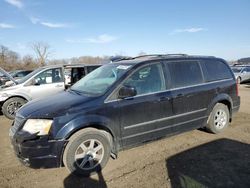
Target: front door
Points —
{"points": [[46, 83], [142, 117]]}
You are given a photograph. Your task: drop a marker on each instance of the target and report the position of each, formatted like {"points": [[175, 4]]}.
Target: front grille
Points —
{"points": [[18, 122]]}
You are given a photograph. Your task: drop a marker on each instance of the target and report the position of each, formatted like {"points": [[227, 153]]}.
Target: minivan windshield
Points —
{"points": [[98, 81]]}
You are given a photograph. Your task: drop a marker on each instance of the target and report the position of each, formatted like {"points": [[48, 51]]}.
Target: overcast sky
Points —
{"points": [[127, 27]]}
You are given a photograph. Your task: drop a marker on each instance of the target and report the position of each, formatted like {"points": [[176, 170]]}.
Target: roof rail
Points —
{"points": [[176, 54], [160, 55], [119, 58]]}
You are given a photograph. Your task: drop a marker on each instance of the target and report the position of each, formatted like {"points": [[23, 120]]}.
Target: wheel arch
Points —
{"points": [[99, 126], [18, 96], [224, 99], [94, 125]]}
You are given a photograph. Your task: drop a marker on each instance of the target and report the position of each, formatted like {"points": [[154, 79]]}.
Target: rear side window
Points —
{"points": [[216, 70], [185, 73]]}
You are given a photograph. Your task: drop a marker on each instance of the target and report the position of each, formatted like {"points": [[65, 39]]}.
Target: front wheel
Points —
{"points": [[219, 119], [87, 152], [10, 106]]}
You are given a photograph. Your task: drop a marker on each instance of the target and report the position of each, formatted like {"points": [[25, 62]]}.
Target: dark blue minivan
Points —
{"points": [[124, 104]]}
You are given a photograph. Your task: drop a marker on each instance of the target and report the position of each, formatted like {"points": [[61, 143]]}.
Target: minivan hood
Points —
{"points": [[8, 75], [53, 106]]}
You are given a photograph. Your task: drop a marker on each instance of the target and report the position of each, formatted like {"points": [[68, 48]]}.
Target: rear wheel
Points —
{"points": [[10, 106], [218, 119], [87, 152]]}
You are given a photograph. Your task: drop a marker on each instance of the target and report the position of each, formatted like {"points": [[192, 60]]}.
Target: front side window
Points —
{"points": [[49, 76], [185, 73], [148, 79]]}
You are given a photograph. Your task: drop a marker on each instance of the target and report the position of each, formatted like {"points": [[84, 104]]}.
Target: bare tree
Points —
{"points": [[29, 63], [9, 60], [42, 51], [3, 54]]}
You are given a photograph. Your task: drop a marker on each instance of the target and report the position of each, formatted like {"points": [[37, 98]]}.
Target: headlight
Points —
{"points": [[3, 96], [40, 126]]}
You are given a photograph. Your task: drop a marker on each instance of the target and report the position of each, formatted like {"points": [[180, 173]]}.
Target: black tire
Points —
{"points": [[218, 120], [76, 142], [10, 106]]}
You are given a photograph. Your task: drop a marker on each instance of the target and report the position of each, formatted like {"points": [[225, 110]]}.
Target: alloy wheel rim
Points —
{"points": [[13, 107], [89, 154], [220, 119]]}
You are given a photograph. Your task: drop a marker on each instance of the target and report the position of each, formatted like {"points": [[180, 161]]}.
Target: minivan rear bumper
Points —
{"points": [[38, 152], [236, 105]]}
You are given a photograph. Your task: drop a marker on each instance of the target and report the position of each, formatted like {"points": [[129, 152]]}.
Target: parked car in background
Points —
{"points": [[122, 104], [17, 75], [1, 79], [4, 79], [77, 71], [5, 76], [42, 82], [241, 72]]}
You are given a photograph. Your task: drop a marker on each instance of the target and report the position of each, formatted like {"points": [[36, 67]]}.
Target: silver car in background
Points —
{"points": [[241, 72], [42, 82]]}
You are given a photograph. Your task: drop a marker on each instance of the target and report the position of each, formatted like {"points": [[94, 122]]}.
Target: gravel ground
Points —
{"points": [[192, 159]]}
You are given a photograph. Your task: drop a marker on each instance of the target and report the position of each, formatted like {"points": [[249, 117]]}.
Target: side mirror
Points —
{"points": [[126, 91]]}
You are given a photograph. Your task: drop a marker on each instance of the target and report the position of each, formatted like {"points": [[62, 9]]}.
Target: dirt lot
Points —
{"points": [[193, 159]]}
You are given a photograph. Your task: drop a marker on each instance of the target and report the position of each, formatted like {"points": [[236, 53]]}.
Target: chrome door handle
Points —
{"points": [[178, 96]]}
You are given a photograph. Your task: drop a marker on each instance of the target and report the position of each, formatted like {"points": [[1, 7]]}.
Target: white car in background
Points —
{"points": [[42, 82], [241, 72]]}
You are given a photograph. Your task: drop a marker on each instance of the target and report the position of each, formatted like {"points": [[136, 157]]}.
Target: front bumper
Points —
{"points": [[37, 152]]}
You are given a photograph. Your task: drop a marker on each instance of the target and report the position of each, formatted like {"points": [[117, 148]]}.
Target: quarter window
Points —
{"points": [[185, 73], [216, 70], [148, 79]]}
